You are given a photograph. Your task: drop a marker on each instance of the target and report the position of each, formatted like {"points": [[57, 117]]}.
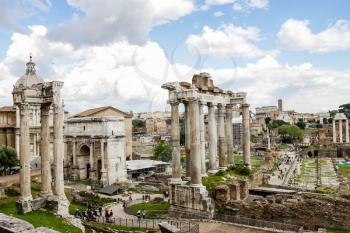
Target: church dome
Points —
{"points": [[30, 78]]}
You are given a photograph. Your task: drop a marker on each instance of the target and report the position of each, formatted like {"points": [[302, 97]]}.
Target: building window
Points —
{"points": [[84, 127], [112, 132]]}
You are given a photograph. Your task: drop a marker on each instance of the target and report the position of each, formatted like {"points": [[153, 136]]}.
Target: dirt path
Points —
{"points": [[14, 179], [225, 228]]}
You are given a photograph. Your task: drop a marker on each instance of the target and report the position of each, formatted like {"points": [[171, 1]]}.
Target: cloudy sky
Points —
{"points": [[119, 52]]}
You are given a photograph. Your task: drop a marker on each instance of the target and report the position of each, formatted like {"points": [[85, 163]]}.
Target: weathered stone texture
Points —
{"points": [[306, 209]]}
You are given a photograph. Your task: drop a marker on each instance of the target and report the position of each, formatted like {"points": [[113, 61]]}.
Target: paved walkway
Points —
{"points": [[278, 176]]}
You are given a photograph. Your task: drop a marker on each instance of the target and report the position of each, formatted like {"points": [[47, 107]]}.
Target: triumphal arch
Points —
{"points": [[31, 91], [192, 199]]}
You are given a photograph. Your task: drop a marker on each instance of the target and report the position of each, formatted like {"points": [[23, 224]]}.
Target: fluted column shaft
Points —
{"points": [[25, 178], [341, 131], [202, 138], [347, 131], [222, 137], [45, 150], [74, 153], [334, 132], [175, 140], [58, 149], [91, 158], [196, 178], [229, 134], [188, 139], [246, 135], [213, 144]]}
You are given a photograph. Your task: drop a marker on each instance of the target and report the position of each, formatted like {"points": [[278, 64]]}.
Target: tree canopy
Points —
{"points": [[301, 124], [345, 108], [290, 133], [162, 151], [277, 123], [8, 158]]}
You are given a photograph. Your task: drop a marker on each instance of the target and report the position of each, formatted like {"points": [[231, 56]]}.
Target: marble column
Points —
{"points": [[17, 139], [213, 144], [229, 134], [103, 170], [74, 153], [202, 138], [187, 139], [45, 151], [222, 137], [334, 132], [175, 140], [34, 145], [196, 178], [347, 131], [246, 135], [341, 131], [25, 176], [268, 139], [91, 161], [62, 202]]}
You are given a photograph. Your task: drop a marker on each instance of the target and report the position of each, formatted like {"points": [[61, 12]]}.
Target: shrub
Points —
{"points": [[11, 192]]}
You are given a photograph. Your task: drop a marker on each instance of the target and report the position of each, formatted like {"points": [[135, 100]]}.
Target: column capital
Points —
{"points": [[174, 103], [245, 105], [23, 107], [211, 104]]}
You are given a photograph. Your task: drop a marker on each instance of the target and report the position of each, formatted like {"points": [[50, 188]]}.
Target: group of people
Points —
{"points": [[92, 213], [146, 197], [141, 214]]}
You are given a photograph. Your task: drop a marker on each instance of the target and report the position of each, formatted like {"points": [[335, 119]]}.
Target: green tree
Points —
{"points": [[162, 151], [290, 133], [137, 124], [345, 108], [267, 120], [301, 124], [253, 138], [277, 123], [8, 158]]}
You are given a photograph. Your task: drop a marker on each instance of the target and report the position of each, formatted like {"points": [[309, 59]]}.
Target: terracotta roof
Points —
{"points": [[7, 109], [92, 111]]}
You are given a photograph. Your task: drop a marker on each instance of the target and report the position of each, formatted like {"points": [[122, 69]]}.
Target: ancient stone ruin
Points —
{"points": [[192, 200], [31, 91]]}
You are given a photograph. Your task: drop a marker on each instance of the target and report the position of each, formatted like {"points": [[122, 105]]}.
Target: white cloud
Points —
{"points": [[13, 11], [113, 20], [297, 35], [302, 87], [119, 74], [228, 41], [218, 13], [129, 76], [238, 5]]}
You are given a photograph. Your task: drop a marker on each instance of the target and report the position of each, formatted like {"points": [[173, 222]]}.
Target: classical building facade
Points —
{"points": [[7, 126], [96, 149]]}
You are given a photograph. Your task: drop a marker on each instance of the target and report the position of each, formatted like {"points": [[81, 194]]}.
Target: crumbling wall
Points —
{"points": [[304, 209]]}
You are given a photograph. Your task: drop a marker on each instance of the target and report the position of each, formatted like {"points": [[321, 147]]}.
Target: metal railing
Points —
{"points": [[183, 226]]}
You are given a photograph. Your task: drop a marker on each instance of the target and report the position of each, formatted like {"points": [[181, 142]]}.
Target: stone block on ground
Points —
{"points": [[222, 194]]}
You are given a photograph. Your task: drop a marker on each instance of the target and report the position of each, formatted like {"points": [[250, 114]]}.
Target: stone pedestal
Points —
{"points": [[235, 192], [24, 206], [190, 202], [60, 206]]}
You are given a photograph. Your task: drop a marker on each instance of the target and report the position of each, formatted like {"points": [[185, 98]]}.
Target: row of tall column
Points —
{"points": [[340, 129], [220, 139], [46, 187]]}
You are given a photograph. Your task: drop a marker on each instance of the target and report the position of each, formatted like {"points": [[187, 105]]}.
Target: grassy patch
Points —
{"points": [[337, 230], [149, 206], [39, 218], [75, 206]]}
